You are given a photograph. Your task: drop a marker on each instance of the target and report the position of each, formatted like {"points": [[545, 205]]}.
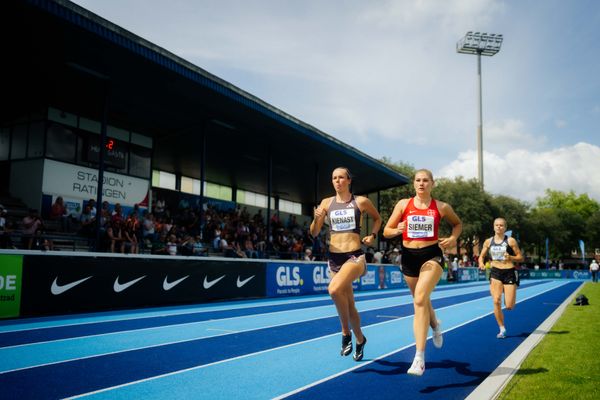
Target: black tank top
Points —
{"points": [[497, 250]]}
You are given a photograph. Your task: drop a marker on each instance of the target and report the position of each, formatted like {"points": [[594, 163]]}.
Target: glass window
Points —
{"points": [[140, 161], [163, 179], [19, 142], [36, 140], [62, 117], [61, 143], [218, 191], [4, 143], [290, 207], [190, 185]]}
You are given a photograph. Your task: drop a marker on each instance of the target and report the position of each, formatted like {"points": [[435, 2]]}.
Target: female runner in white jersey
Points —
{"points": [[417, 219], [504, 278], [346, 259]]}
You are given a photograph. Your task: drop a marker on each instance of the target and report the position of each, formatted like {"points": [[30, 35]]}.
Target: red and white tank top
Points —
{"points": [[421, 224]]}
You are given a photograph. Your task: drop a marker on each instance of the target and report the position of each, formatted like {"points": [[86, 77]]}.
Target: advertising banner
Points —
{"points": [[294, 279], [64, 284], [77, 182], [381, 277], [468, 274], [10, 285], [544, 274]]}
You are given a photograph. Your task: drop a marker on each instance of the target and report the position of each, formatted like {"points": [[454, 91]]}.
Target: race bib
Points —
{"points": [[420, 226], [342, 220], [497, 252]]}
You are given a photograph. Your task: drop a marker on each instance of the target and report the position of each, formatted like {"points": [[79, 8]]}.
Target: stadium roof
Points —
{"points": [[62, 55]]}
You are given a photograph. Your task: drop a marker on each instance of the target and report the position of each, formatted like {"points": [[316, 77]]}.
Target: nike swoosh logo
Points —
{"points": [[412, 212], [119, 287], [208, 284], [57, 289], [242, 283], [170, 285]]}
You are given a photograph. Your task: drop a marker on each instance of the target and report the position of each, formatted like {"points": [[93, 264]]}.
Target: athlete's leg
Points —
{"points": [[496, 288], [340, 290], [510, 296], [428, 277]]}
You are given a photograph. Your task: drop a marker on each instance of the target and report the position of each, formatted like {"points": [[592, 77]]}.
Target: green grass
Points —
{"points": [[566, 363]]}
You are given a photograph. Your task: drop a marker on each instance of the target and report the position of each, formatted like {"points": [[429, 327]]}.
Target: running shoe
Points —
{"points": [[417, 368], [358, 354], [502, 334], [437, 338], [346, 345]]}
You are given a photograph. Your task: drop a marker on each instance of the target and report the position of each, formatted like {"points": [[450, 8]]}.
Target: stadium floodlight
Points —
{"points": [[481, 44]]}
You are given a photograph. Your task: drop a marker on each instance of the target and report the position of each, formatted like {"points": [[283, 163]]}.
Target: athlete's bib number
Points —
{"points": [[497, 252], [420, 226], [342, 220]]}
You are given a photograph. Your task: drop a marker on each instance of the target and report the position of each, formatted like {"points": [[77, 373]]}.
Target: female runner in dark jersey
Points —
{"points": [[504, 278], [346, 258], [417, 219]]}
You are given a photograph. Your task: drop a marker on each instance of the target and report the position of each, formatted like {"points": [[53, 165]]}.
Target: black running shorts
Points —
{"points": [[508, 276], [413, 259]]}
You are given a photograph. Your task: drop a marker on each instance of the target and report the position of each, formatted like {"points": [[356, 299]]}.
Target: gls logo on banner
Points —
{"points": [[321, 276], [287, 276]]}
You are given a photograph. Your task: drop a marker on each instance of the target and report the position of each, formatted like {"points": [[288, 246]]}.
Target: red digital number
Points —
{"points": [[110, 144]]}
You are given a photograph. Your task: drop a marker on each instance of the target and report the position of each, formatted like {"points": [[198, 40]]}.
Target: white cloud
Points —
{"points": [[525, 175], [500, 137]]}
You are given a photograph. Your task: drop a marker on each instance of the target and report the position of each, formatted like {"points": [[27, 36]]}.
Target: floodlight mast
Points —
{"points": [[487, 45]]}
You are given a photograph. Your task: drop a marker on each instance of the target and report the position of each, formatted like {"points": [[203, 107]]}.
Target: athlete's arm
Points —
{"points": [[394, 227], [365, 205], [482, 254], [319, 217], [518, 257], [448, 213]]}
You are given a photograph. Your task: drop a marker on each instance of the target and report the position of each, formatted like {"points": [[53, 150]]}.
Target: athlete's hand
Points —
{"points": [[401, 227], [445, 243], [368, 240], [319, 213]]}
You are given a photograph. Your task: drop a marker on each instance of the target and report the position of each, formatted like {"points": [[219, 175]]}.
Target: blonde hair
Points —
{"points": [[425, 170]]}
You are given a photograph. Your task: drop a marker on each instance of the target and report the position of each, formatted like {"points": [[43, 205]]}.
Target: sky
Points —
{"points": [[385, 77]]}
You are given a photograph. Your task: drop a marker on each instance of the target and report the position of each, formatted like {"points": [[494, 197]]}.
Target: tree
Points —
{"points": [[471, 204]]}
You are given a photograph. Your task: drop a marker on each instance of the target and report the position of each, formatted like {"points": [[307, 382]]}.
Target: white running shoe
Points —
{"points": [[437, 338], [502, 334], [417, 368]]}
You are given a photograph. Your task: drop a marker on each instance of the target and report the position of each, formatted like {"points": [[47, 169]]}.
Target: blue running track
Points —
{"points": [[269, 348]]}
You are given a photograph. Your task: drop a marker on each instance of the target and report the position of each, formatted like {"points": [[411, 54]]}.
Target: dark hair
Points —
{"points": [[348, 173]]}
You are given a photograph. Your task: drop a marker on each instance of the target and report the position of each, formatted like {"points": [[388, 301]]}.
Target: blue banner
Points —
{"points": [[381, 277], [582, 247], [295, 279]]}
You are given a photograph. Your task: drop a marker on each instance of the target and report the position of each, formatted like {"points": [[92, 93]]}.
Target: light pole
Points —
{"points": [[487, 45]]}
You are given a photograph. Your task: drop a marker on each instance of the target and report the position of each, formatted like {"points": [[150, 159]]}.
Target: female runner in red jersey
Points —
{"points": [[417, 219]]}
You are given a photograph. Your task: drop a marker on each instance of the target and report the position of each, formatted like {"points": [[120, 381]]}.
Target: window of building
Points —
{"points": [[35, 147], [61, 143], [163, 179], [290, 207], [4, 143], [19, 142]]}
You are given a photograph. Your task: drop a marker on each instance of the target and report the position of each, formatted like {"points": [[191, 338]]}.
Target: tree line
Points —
{"points": [[562, 219]]}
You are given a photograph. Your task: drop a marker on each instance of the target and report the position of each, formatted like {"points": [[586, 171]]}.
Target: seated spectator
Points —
{"points": [[172, 245], [129, 234], [308, 255], [5, 241], [117, 214], [249, 249], [31, 223], [87, 221], [198, 248], [39, 242], [58, 212], [114, 236]]}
